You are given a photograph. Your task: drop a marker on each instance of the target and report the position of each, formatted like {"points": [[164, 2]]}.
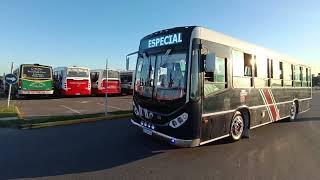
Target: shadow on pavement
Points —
{"points": [[73, 149], [302, 119]]}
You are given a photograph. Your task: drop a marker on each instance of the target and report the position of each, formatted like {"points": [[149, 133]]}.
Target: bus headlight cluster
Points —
{"points": [[175, 123], [147, 124], [135, 109]]}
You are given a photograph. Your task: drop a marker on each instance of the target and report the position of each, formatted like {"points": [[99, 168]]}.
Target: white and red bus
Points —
{"points": [[72, 81], [98, 80]]}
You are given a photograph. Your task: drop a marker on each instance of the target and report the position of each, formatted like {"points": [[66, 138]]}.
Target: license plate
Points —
{"points": [[77, 94], [147, 131]]}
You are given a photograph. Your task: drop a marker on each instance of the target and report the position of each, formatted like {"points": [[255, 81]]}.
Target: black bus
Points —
{"points": [[193, 86]]}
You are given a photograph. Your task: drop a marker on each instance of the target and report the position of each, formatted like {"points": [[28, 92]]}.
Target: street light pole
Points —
{"points": [[106, 99], [10, 85]]}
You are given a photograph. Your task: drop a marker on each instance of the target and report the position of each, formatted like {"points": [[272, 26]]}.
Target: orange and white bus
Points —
{"points": [[72, 81], [98, 80]]}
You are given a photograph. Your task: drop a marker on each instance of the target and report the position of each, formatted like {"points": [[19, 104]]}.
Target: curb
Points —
{"points": [[75, 121], [18, 112], [8, 118]]}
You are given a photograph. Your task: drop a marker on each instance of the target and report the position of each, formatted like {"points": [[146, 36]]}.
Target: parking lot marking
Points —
{"points": [[111, 106], [83, 102], [71, 109]]}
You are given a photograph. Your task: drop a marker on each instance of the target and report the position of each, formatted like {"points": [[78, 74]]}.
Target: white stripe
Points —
{"points": [[304, 111], [304, 99], [266, 103], [217, 113], [253, 107], [267, 123], [71, 109], [260, 125], [211, 140], [111, 106], [275, 105]]}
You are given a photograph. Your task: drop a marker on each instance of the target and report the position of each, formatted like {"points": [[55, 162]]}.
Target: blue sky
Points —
{"points": [[85, 33]]}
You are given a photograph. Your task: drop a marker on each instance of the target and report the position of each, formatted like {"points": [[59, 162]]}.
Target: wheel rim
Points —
{"points": [[237, 127], [293, 111]]}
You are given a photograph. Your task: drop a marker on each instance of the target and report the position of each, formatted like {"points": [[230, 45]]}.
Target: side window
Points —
{"points": [[276, 74], [304, 74], [194, 90], [287, 75], [261, 72], [310, 78], [242, 69], [217, 80], [307, 77], [297, 76]]}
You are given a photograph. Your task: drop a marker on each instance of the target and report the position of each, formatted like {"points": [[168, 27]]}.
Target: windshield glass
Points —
{"points": [[36, 72], [111, 74], [77, 72], [162, 76]]}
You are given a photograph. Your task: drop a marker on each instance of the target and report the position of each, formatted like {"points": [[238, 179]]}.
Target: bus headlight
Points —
{"points": [[177, 122]]}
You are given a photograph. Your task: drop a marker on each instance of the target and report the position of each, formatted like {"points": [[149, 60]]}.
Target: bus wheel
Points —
{"points": [[237, 127], [293, 112]]}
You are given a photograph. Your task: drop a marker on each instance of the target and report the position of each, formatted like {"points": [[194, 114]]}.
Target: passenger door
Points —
{"points": [[215, 97]]}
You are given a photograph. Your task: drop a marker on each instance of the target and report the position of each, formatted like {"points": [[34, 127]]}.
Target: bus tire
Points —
{"points": [[236, 127], [293, 111]]}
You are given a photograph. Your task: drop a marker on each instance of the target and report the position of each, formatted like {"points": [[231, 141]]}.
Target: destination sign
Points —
{"points": [[165, 40], [36, 72]]}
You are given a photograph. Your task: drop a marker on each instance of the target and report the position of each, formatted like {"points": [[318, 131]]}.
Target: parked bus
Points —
{"points": [[72, 81], [33, 79], [194, 86], [99, 82], [126, 82]]}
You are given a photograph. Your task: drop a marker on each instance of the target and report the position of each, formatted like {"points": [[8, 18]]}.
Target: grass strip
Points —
{"points": [[10, 111], [63, 120]]}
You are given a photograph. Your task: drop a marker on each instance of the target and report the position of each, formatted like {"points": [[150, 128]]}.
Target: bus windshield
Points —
{"points": [[77, 72], [112, 74], [36, 72], [162, 77]]}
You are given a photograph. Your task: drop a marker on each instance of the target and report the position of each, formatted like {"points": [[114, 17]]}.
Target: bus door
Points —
{"points": [[215, 97]]}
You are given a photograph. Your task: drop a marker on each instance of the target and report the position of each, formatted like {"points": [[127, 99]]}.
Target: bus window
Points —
{"points": [[242, 69], [194, 90], [304, 77], [261, 72], [287, 75], [276, 71], [297, 76], [308, 77]]}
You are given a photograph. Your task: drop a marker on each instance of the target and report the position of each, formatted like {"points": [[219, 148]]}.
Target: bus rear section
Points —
{"points": [[34, 79], [73, 81], [99, 84], [126, 82]]}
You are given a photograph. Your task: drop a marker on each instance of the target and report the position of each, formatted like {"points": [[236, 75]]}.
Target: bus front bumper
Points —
{"points": [[171, 140], [35, 92]]}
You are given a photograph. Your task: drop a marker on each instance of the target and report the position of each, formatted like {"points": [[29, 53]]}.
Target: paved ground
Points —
{"points": [[68, 106], [115, 150]]}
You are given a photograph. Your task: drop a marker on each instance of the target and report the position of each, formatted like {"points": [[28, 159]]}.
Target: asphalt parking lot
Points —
{"points": [[42, 107], [116, 150]]}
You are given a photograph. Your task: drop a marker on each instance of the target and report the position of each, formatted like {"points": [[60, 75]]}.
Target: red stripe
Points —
{"points": [[271, 105]]}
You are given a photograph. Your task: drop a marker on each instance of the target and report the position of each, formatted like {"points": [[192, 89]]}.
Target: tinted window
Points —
{"points": [[36, 72]]}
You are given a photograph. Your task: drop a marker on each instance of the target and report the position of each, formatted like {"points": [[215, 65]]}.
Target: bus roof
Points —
{"points": [[220, 38], [210, 35], [64, 68], [35, 65]]}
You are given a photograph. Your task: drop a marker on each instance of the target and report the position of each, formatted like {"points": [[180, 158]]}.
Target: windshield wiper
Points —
{"points": [[165, 57]]}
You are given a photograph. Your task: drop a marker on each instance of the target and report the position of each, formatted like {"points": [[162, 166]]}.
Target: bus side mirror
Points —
{"points": [[210, 62]]}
